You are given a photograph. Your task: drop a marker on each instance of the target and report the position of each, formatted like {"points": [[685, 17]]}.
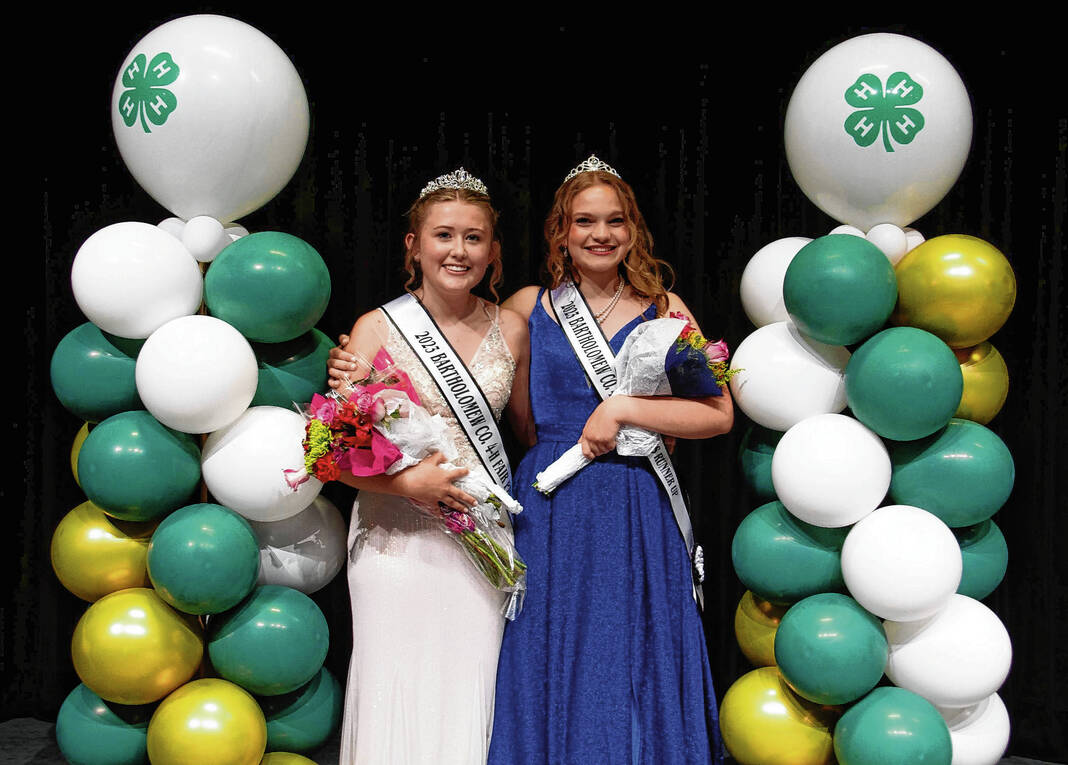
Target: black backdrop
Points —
{"points": [[688, 108]]}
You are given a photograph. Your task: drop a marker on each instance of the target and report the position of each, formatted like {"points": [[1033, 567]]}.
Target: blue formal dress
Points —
{"points": [[607, 663]]}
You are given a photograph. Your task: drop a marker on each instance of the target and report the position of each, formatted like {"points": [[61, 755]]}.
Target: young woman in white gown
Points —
{"points": [[426, 625]]}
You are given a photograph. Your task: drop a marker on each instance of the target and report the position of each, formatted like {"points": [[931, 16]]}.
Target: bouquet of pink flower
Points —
{"points": [[661, 357], [378, 426]]}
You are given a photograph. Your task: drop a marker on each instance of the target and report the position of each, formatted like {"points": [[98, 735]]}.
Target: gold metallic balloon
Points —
{"points": [[94, 554], [207, 722], [755, 623], [957, 287], [764, 722], [76, 449], [132, 648], [986, 383], [285, 758]]}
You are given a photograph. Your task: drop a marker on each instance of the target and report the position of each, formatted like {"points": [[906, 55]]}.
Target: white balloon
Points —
{"points": [[235, 231], [786, 377], [890, 239], [205, 238], [901, 563], [979, 733], [131, 278], [210, 116], [878, 129], [955, 658], [173, 226], [914, 239], [762, 279], [304, 551], [830, 470], [243, 464], [845, 228], [196, 374]]}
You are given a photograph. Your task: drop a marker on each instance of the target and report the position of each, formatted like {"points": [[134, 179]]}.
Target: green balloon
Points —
{"points": [[892, 726], [963, 473], [985, 558], [783, 559], [755, 454], [292, 372], [839, 289], [136, 469], [270, 286], [91, 731], [273, 642], [93, 378], [304, 719], [829, 649], [203, 559], [904, 383]]}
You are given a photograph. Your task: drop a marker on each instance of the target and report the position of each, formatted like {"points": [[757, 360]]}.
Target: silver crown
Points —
{"points": [[459, 179], [591, 164]]}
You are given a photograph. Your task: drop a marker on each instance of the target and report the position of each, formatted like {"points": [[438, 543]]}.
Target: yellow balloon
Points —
{"points": [[207, 722], [285, 758], [94, 554], [764, 722], [957, 287], [132, 648], [755, 623], [76, 449], [986, 383]]}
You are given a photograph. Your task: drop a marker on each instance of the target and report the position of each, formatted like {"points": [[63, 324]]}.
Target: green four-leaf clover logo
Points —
{"points": [[145, 97], [884, 111]]}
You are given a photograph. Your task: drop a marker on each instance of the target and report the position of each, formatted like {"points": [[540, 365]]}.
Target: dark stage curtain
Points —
{"points": [[690, 110]]}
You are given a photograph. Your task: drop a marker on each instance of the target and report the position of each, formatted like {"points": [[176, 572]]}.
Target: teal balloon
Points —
{"points": [[904, 383], [203, 559], [136, 469], [754, 455], [91, 731], [829, 649], [963, 473], [783, 559], [92, 377], [304, 719], [270, 286], [273, 642], [839, 289], [984, 557], [892, 726], [292, 372]]}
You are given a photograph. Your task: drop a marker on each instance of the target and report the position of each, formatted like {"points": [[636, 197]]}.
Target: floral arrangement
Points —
{"points": [[378, 426], [661, 357]]}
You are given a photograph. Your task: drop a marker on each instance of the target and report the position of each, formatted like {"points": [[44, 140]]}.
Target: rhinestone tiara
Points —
{"points": [[458, 179], [591, 164]]}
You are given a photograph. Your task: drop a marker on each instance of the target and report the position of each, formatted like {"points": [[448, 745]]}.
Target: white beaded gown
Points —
{"points": [[426, 626]]}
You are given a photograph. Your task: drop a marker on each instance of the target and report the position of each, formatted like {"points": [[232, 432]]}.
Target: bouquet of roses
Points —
{"points": [[378, 426], [661, 357]]}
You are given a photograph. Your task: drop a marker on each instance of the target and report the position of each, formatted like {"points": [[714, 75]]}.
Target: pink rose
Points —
{"points": [[458, 522], [717, 351], [365, 402], [323, 409], [378, 411]]}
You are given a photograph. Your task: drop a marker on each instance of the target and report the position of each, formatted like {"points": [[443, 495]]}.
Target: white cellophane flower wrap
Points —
{"points": [[639, 372]]}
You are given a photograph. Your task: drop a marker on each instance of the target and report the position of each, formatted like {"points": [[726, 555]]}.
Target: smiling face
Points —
{"points": [[453, 247], [598, 237]]}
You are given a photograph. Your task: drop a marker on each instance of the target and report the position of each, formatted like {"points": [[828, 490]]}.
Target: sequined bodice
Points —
{"points": [[493, 368]]}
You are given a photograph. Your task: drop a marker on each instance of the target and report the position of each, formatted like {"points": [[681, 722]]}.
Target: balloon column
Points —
{"points": [[870, 378], [211, 118]]}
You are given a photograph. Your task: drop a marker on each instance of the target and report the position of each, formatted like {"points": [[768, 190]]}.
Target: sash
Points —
{"points": [[596, 356], [457, 385]]}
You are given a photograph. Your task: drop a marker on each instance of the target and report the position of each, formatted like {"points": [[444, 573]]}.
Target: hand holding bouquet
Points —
{"points": [[377, 426], [661, 357]]}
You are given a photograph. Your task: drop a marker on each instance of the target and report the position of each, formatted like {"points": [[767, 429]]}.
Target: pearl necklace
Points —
{"points": [[601, 315]]}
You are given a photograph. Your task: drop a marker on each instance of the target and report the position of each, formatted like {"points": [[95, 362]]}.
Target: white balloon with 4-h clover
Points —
{"points": [[878, 129], [210, 116]]}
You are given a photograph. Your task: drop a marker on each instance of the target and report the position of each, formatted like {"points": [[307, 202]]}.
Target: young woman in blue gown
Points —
{"points": [[607, 663]]}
